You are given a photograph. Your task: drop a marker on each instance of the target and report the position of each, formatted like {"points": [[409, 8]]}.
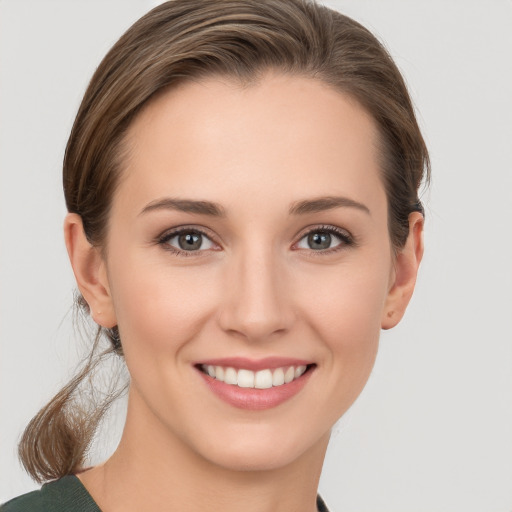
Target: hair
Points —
{"points": [[185, 40]]}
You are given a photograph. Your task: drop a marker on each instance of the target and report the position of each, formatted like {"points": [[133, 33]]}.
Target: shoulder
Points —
{"points": [[64, 495]]}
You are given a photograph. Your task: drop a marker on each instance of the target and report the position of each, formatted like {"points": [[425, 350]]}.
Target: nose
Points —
{"points": [[256, 303]]}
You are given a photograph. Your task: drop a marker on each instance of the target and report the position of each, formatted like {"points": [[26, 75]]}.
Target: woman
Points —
{"points": [[242, 186]]}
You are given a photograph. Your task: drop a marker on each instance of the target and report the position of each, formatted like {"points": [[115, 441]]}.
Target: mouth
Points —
{"points": [[262, 379], [254, 385]]}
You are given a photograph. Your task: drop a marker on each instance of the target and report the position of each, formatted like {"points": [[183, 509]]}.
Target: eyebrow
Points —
{"points": [[185, 205], [320, 204]]}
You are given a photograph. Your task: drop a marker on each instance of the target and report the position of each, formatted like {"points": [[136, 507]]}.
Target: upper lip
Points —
{"points": [[254, 364]]}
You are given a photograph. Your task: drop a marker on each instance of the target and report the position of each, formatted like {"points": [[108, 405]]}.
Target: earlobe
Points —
{"points": [[404, 277], [90, 271]]}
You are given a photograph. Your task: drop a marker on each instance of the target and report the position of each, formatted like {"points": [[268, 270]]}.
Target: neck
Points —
{"points": [[154, 470]]}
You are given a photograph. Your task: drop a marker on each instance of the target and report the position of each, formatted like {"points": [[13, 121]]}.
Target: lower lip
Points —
{"points": [[256, 399]]}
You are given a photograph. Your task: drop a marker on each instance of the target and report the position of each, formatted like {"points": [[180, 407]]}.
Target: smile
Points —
{"points": [[255, 385], [262, 379]]}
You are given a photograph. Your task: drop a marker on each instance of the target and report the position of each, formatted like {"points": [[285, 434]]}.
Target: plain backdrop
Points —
{"points": [[433, 429]]}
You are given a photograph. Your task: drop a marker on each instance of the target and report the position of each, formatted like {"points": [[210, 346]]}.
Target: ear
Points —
{"points": [[406, 266], [90, 272]]}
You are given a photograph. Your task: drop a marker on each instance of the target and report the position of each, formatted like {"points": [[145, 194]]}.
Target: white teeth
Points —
{"points": [[263, 379], [245, 379], [230, 376], [289, 375], [278, 377], [219, 373], [299, 371]]}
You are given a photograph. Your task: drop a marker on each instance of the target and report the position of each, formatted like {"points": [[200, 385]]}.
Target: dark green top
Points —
{"points": [[64, 495], [68, 495]]}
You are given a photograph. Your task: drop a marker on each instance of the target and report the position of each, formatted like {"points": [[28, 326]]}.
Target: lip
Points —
{"points": [[251, 398]]}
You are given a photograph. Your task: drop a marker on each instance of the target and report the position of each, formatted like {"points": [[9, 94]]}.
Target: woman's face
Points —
{"points": [[249, 234]]}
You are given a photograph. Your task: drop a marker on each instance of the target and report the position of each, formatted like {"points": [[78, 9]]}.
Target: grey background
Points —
{"points": [[433, 429]]}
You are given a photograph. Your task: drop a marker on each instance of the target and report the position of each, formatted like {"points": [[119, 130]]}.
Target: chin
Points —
{"points": [[250, 452]]}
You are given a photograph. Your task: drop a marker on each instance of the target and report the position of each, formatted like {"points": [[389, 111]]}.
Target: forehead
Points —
{"points": [[285, 134]]}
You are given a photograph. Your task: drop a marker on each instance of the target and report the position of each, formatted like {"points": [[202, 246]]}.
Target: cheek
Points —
{"points": [[159, 307], [345, 300], [344, 309], [345, 320]]}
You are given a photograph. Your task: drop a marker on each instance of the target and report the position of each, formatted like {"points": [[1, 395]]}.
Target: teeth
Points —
{"points": [[262, 379], [278, 377], [245, 379], [230, 376], [289, 375], [299, 371], [219, 373]]}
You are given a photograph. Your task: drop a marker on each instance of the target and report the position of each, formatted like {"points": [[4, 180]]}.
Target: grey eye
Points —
{"points": [[323, 239], [319, 240], [190, 241]]}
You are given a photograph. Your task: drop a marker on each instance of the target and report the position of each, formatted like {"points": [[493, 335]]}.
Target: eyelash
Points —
{"points": [[163, 240], [346, 240]]}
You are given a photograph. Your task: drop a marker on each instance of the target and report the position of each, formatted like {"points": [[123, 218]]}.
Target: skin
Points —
{"points": [[255, 289]]}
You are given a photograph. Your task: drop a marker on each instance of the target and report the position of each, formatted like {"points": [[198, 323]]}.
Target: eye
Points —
{"points": [[186, 241], [324, 239]]}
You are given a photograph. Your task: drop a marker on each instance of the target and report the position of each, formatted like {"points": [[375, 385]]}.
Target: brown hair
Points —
{"points": [[187, 40]]}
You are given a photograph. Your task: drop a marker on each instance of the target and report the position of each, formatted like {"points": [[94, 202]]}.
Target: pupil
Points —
{"points": [[189, 241], [319, 240]]}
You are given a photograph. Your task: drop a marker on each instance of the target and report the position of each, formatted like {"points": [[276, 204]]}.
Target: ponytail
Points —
{"points": [[57, 440]]}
